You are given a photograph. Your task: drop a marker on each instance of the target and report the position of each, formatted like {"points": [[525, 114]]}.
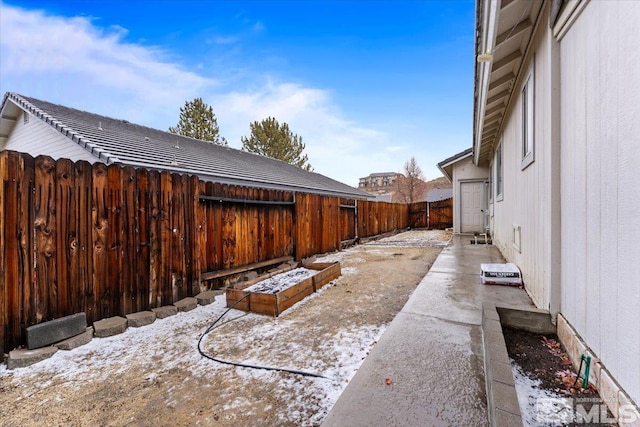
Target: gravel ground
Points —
{"points": [[154, 375]]}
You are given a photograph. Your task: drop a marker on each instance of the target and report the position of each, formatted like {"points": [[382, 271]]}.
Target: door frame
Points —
{"points": [[484, 201]]}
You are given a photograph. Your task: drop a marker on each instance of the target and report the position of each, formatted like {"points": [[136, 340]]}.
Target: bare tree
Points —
{"points": [[411, 185]]}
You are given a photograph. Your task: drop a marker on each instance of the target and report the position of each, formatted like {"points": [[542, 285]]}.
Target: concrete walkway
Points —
{"points": [[427, 369]]}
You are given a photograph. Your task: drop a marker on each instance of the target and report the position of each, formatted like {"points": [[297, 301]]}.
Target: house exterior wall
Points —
{"points": [[600, 158], [524, 218], [49, 141], [464, 171]]}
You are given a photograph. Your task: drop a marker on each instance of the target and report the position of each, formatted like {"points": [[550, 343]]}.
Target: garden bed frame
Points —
{"points": [[275, 304]]}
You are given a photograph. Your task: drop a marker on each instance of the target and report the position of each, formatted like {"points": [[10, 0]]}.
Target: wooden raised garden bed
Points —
{"points": [[273, 304]]}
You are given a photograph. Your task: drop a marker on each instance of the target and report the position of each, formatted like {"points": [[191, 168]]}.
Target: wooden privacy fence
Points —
{"points": [[436, 215], [112, 240], [440, 214]]}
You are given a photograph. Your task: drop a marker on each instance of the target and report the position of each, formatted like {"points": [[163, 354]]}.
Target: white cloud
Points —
{"points": [[69, 60], [336, 146], [73, 62]]}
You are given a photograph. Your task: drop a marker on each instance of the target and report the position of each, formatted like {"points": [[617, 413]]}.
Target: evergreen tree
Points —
{"points": [[197, 120], [272, 139]]}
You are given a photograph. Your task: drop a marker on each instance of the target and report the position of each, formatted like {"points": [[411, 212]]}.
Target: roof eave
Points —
{"points": [[288, 180], [231, 180], [446, 166], [486, 29], [446, 172], [502, 66]]}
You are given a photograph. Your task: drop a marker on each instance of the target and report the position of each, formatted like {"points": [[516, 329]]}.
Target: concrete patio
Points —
{"points": [[428, 367]]}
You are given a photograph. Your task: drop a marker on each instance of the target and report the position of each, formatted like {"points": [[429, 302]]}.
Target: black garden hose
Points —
{"points": [[246, 365]]}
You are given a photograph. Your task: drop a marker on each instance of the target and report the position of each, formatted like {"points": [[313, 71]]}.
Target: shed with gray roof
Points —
{"points": [[42, 128]]}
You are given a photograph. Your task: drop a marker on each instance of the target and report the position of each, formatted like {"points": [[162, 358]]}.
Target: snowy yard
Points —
{"points": [[282, 281], [155, 376]]}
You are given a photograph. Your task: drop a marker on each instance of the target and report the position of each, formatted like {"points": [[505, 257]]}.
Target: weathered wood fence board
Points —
{"points": [[111, 240], [441, 214], [380, 217], [347, 219], [433, 215]]}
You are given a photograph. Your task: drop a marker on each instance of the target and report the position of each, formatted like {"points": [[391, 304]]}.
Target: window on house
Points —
{"points": [[528, 106], [499, 173]]}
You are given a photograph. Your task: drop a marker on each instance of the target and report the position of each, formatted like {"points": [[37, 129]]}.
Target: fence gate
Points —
{"points": [[440, 214], [418, 215]]}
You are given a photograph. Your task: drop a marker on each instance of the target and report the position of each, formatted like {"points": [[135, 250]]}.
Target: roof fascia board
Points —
{"points": [[444, 166], [445, 172], [61, 128], [489, 21]]}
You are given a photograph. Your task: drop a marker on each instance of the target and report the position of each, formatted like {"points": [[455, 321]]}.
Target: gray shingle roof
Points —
{"points": [[436, 194], [119, 141]]}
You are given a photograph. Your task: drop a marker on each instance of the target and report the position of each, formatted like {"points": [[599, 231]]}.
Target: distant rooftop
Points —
{"points": [[437, 194], [121, 142]]}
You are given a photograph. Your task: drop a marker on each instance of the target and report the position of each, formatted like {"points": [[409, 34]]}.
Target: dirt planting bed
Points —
{"points": [[543, 360], [154, 376]]}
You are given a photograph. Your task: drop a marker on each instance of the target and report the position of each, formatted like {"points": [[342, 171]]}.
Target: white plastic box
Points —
{"points": [[500, 274]]}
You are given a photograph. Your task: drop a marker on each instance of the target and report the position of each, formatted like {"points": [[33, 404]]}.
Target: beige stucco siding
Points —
{"points": [[526, 205], [600, 157], [36, 137], [464, 171]]}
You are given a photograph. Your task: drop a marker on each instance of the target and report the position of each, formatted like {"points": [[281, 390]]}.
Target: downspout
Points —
{"points": [[554, 260]]}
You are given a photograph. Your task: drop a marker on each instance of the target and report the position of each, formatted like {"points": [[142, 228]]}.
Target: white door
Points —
{"points": [[472, 207]]}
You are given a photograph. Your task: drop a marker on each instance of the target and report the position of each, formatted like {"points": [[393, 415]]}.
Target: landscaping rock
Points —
{"points": [[250, 275], [141, 318], [47, 333], [186, 304], [165, 311], [77, 341], [109, 327], [207, 297], [22, 358], [309, 260]]}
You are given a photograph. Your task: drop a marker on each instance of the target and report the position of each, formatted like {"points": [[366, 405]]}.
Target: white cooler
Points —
{"points": [[500, 274]]}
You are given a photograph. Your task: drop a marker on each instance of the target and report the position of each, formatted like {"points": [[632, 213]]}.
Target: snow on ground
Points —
{"points": [[540, 407], [348, 350], [282, 281], [165, 344], [414, 238], [171, 343]]}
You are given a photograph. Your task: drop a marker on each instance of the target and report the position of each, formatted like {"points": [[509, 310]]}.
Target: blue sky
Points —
{"points": [[367, 84]]}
